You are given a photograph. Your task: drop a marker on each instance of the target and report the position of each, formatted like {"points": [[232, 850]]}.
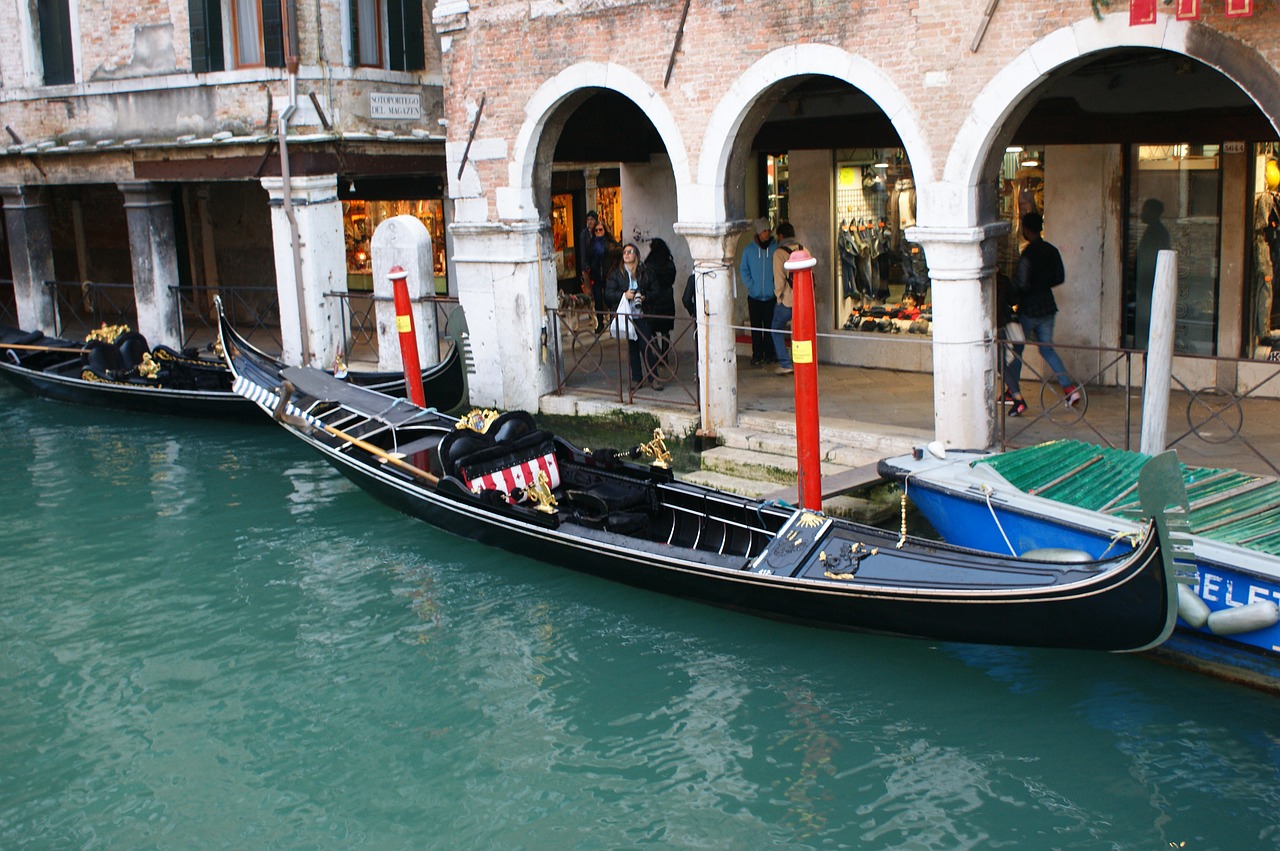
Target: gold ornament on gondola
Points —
{"points": [[657, 449], [478, 419], [809, 520], [148, 369], [106, 334], [539, 493]]}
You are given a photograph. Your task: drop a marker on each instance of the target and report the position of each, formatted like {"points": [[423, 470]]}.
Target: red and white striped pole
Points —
{"points": [[803, 338], [408, 339]]}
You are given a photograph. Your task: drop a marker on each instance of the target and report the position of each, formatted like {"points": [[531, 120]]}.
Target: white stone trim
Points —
{"points": [[725, 123], [543, 103]]}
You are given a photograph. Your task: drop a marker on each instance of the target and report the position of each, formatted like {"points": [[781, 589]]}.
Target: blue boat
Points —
{"points": [[1078, 496]]}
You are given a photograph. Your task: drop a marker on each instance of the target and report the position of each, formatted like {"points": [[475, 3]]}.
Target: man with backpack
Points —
{"points": [[782, 291]]}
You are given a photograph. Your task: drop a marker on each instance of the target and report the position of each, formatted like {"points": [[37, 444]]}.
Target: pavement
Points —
{"points": [[865, 414]]}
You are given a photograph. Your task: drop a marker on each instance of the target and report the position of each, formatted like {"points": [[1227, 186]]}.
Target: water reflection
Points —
{"points": [[190, 634]]}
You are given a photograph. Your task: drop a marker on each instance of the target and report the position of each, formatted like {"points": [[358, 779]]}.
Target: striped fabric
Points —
{"points": [[267, 400], [520, 476]]}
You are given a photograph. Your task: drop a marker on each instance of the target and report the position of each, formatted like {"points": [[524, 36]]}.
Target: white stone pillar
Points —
{"points": [[26, 218], [712, 249], [505, 299], [404, 241], [962, 270], [153, 250], [1155, 390], [318, 212]]}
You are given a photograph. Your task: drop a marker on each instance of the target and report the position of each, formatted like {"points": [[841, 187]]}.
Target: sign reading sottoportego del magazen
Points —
{"points": [[401, 107]]}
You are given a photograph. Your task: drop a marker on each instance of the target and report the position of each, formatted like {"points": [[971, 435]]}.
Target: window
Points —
{"points": [[387, 34], [206, 36], [257, 34], [55, 42], [1174, 203]]}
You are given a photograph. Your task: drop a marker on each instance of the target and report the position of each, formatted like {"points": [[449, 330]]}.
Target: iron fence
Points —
{"points": [[359, 317], [1203, 419], [81, 306], [592, 359], [253, 311]]}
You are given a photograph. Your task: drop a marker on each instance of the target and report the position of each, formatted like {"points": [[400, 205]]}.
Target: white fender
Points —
{"points": [[1191, 608], [1238, 619]]}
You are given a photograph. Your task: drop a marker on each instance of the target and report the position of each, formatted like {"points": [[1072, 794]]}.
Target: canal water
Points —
{"points": [[210, 640]]}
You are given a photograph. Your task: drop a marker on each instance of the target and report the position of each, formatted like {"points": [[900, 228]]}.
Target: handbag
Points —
{"points": [[1013, 332], [622, 327]]}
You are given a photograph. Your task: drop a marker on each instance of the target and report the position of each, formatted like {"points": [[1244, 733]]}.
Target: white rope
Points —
{"points": [[987, 492]]}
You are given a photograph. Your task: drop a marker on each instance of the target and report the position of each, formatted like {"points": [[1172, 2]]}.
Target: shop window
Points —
{"points": [[882, 279], [387, 34], [1021, 192], [361, 218], [1262, 319], [564, 237], [55, 42], [1174, 203], [777, 187], [609, 209]]}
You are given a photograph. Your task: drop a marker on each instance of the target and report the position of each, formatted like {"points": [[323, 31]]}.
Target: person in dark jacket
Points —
{"points": [[628, 280], [659, 296], [1039, 271]]}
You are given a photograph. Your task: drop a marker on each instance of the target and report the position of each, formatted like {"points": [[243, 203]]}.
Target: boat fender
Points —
{"points": [[1191, 608], [1063, 555], [1238, 619]]}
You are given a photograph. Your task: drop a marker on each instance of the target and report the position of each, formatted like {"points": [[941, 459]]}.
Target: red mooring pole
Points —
{"points": [[408, 339], [803, 336]]}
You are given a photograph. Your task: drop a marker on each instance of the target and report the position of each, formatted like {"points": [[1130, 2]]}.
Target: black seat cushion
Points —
{"points": [[132, 347]]}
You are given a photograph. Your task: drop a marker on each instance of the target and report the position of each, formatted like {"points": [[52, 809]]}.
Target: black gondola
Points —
{"points": [[124, 373], [501, 480]]}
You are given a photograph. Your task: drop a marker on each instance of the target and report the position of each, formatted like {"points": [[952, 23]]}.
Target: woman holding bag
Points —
{"points": [[623, 288]]}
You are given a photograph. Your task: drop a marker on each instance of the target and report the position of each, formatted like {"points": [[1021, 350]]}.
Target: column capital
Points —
{"points": [[303, 189], [959, 253], [22, 196]]}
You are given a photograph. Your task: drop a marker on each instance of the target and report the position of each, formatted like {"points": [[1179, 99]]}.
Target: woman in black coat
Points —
{"points": [[630, 279], [660, 297]]}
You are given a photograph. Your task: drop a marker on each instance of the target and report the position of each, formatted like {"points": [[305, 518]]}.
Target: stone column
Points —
{"points": [[26, 218], [319, 266], [712, 248], [405, 242], [154, 251], [505, 300], [962, 267]]}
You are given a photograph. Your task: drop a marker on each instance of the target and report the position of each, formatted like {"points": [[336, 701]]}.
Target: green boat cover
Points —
{"points": [[1226, 505]]}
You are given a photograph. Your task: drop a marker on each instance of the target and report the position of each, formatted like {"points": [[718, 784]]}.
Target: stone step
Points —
{"points": [[753, 488], [852, 434], [748, 463], [770, 443]]}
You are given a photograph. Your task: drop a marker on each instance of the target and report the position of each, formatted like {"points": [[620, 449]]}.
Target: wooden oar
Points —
{"points": [[286, 390], [26, 348]]}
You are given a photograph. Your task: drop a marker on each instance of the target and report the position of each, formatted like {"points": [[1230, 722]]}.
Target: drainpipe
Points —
{"points": [[282, 134]]}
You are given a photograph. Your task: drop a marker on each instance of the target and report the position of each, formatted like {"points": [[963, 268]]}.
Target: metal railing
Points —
{"points": [[358, 312], [253, 311], [81, 306], [1204, 421], [599, 363]]}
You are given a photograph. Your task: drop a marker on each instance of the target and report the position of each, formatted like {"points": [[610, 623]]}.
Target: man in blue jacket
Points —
{"points": [[756, 271]]}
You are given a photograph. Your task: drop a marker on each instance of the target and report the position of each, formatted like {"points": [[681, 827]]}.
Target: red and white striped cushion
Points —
{"points": [[520, 476]]}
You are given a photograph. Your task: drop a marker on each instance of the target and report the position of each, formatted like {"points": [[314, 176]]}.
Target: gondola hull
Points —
{"points": [[194, 387], [1102, 615], [639, 525]]}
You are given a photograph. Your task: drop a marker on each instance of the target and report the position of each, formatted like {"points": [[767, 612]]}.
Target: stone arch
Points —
{"points": [[723, 150], [551, 105], [969, 160]]}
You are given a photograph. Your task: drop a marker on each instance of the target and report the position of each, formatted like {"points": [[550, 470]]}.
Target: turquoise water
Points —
{"points": [[210, 640]]}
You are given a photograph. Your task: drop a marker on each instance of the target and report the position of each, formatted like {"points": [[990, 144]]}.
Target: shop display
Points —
{"points": [[882, 279]]}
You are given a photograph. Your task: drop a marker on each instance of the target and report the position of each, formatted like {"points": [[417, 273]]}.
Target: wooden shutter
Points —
{"points": [[272, 34], [55, 42], [405, 35], [206, 35]]}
